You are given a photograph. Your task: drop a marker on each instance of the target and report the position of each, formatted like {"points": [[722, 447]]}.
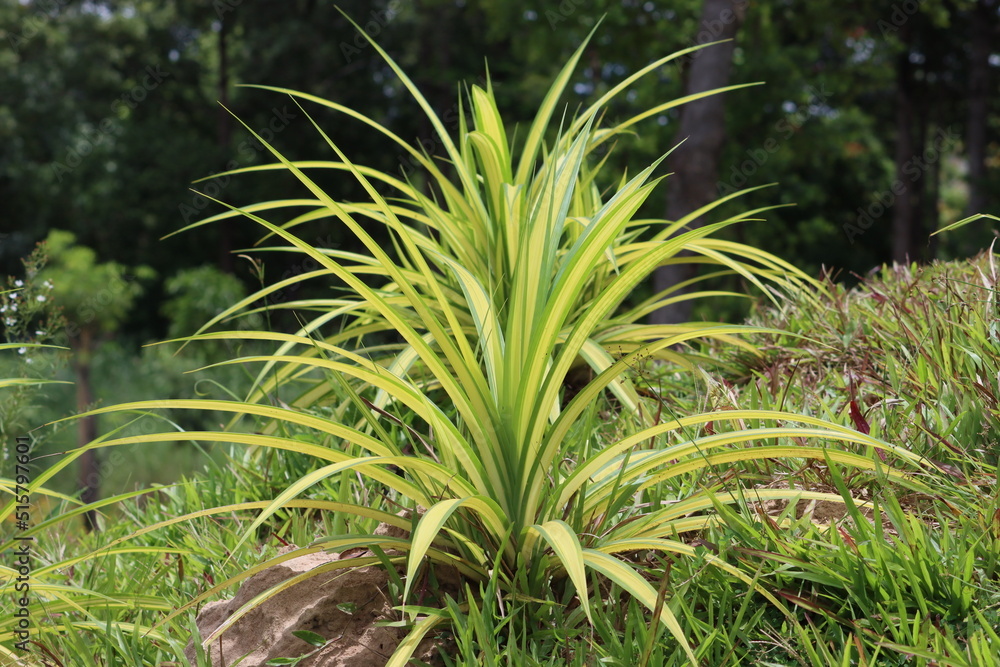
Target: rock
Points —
{"points": [[318, 605]]}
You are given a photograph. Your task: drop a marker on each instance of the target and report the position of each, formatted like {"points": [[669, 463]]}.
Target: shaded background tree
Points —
{"points": [[109, 111], [94, 299], [702, 129]]}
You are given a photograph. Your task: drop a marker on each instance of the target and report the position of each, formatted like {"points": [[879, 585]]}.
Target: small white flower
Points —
{"points": [[39, 333], [13, 307], [13, 295], [27, 360], [3, 309], [18, 283], [48, 284], [22, 350], [9, 321], [40, 297]]}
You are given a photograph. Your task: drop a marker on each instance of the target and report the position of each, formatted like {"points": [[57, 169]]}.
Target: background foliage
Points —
{"points": [[108, 110]]}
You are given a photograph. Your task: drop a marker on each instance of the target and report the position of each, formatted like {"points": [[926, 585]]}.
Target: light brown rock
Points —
{"points": [[266, 632]]}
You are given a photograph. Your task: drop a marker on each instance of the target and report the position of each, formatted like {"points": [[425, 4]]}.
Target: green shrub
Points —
{"points": [[453, 351]]}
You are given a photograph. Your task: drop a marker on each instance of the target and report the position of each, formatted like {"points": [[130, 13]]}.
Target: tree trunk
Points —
{"points": [[979, 83], [933, 190], [88, 478], [905, 208], [924, 203], [223, 135], [695, 164]]}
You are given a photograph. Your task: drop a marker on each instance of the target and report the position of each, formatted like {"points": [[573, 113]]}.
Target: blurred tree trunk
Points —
{"points": [[223, 136], [983, 19], [926, 204], [86, 430], [933, 217], [906, 204], [695, 164]]}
